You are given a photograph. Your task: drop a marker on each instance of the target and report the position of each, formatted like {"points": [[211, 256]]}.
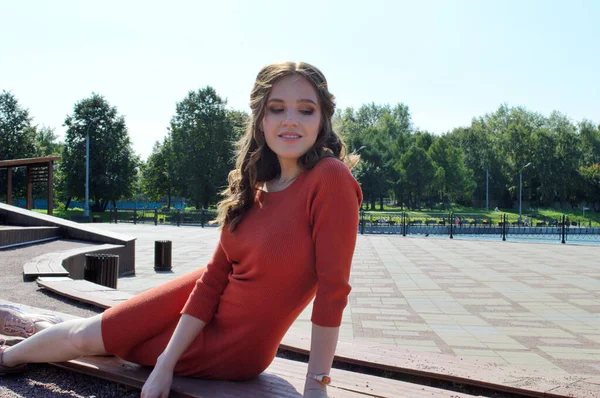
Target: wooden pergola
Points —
{"points": [[38, 170]]}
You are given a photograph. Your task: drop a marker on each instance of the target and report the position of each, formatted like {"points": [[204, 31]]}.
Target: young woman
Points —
{"points": [[289, 217]]}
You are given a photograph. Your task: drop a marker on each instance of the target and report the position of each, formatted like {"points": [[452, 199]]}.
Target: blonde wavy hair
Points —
{"points": [[256, 163]]}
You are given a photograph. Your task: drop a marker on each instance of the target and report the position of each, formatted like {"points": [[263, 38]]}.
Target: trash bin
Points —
{"points": [[102, 269], [162, 255]]}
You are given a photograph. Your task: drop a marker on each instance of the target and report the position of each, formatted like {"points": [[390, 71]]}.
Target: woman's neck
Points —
{"points": [[289, 170]]}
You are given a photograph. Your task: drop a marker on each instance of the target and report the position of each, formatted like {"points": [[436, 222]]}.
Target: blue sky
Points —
{"points": [[447, 60]]}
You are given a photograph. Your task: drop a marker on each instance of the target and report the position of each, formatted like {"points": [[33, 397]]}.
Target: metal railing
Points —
{"points": [[503, 226], [163, 217]]}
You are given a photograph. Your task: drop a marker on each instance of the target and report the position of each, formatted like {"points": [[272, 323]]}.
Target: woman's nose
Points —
{"points": [[290, 118]]}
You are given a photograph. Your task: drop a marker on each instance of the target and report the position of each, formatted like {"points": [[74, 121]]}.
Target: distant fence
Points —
{"points": [[502, 227], [163, 216]]}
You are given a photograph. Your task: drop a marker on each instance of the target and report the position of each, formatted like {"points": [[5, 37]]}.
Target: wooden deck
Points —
{"points": [[436, 367], [84, 291], [283, 378], [11, 236]]}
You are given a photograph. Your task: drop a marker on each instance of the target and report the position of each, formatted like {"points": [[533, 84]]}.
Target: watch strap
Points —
{"points": [[324, 379]]}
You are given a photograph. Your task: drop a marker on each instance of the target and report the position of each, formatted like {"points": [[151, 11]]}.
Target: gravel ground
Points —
{"points": [[41, 380]]}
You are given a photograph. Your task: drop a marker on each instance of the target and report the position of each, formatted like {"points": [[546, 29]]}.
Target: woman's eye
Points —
{"points": [[276, 110], [307, 112]]}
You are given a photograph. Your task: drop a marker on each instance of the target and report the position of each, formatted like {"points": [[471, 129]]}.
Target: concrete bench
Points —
{"points": [[69, 263]]}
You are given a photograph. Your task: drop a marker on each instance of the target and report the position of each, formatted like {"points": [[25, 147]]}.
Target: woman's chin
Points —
{"points": [[289, 155]]}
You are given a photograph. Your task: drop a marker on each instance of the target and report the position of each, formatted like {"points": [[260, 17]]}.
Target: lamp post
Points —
{"points": [[86, 206], [521, 189]]}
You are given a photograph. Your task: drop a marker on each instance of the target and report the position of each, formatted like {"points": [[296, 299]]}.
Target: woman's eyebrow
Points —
{"points": [[299, 101]]}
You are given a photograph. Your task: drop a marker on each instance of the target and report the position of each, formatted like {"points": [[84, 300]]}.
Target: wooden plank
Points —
{"points": [[85, 291], [41, 161], [283, 378], [489, 375], [43, 265], [11, 236], [50, 187], [9, 186], [29, 197]]}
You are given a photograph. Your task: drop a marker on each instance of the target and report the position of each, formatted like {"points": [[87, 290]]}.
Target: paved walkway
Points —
{"points": [[528, 304]]}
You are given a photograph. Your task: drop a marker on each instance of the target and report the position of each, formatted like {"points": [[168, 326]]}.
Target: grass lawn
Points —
{"points": [[467, 213], [68, 214], [125, 215]]}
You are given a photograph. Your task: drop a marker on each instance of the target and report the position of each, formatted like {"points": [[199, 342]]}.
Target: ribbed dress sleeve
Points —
{"points": [[334, 200], [204, 299]]}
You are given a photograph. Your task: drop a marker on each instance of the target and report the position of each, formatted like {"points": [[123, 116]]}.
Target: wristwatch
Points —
{"points": [[322, 378]]}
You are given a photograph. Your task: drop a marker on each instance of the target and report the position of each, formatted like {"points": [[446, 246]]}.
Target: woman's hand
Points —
{"points": [[158, 383]]}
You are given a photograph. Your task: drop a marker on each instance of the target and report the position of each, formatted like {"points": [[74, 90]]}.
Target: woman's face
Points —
{"points": [[292, 118]]}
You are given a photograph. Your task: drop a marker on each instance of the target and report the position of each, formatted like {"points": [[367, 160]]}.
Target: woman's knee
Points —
{"points": [[86, 336]]}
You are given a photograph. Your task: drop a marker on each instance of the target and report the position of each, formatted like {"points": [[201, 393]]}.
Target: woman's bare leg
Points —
{"points": [[59, 343]]}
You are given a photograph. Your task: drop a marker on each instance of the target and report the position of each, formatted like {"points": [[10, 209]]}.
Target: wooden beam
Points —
{"points": [[29, 205], [50, 187], [9, 186], [43, 161]]}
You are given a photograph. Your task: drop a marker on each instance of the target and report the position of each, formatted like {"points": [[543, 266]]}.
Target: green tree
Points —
{"points": [[419, 173], [17, 140], [158, 177], [567, 158], [113, 164], [455, 180], [545, 169], [46, 142], [238, 121], [590, 176], [17, 135], [590, 142], [202, 135], [371, 180]]}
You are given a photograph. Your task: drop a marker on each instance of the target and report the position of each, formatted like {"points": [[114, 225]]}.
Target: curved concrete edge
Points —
{"points": [[17, 216], [71, 261], [74, 260]]}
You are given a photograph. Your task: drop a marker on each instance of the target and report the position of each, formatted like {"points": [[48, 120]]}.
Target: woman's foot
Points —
{"points": [[15, 322], [6, 370]]}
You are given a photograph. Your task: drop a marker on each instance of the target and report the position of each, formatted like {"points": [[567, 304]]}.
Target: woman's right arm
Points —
{"points": [[186, 331], [159, 382], [196, 313]]}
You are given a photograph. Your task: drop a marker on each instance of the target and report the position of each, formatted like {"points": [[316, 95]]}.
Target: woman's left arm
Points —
{"points": [[322, 350], [335, 203]]}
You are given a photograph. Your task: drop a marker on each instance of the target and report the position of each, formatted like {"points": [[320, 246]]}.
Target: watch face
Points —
{"points": [[326, 380]]}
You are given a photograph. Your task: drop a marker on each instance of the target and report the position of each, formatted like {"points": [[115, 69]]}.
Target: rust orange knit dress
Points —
{"points": [[291, 245]]}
